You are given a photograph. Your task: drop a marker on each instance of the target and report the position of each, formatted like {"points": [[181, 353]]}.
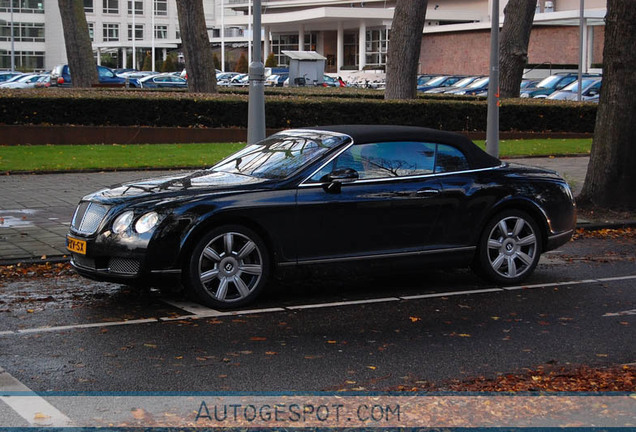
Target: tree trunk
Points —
{"points": [[196, 47], [611, 174], [404, 49], [79, 50], [513, 45]]}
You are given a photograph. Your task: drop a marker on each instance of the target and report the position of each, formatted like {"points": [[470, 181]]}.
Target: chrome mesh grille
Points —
{"points": [[88, 216], [123, 266]]}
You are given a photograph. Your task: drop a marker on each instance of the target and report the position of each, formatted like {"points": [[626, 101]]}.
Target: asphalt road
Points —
{"points": [[324, 331]]}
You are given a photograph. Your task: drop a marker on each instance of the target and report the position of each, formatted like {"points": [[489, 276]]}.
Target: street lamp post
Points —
{"points": [[256, 105], [492, 123]]}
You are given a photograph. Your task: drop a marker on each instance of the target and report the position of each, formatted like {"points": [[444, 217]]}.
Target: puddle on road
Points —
{"points": [[16, 218]]}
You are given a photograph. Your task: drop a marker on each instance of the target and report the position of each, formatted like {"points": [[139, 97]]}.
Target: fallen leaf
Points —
{"points": [[257, 338], [415, 319], [40, 416]]}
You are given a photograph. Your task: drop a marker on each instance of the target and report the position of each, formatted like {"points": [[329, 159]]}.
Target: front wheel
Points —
{"points": [[509, 247], [228, 267]]}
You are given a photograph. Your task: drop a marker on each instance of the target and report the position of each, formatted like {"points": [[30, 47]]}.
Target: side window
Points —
{"points": [[450, 159], [383, 160]]}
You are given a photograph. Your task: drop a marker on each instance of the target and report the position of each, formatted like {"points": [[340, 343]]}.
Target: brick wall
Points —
{"points": [[469, 52]]}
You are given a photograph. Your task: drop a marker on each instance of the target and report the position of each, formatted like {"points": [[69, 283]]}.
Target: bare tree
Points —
{"points": [[196, 47], [79, 50], [611, 174], [404, 49], [513, 45]]}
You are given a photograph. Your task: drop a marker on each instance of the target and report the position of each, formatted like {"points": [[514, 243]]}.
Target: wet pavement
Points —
{"points": [[36, 209]]}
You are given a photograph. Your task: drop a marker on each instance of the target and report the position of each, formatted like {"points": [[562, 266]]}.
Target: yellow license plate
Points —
{"points": [[75, 245]]}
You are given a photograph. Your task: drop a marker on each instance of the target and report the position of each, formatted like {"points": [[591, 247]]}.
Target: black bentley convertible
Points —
{"points": [[319, 196]]}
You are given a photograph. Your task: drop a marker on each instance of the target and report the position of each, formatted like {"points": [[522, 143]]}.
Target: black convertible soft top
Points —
{"points": [[361, 134]]}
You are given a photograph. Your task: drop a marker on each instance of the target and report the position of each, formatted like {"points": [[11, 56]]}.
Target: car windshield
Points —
{"points": [[280, 155], [549, 82], [463, 82], [574, 87], [478, 83], [436, 81]]}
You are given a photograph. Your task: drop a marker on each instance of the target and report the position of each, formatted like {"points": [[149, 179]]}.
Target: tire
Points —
{"points": [[509, 248], [228, 267]]}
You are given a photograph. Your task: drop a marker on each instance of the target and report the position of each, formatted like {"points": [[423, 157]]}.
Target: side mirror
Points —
{"points": [[333, 180]]}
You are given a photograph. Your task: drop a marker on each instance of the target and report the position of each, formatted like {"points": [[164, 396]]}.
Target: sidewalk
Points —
{"points": [[36, 210]]}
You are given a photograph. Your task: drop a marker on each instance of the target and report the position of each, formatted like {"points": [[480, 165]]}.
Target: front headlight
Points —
{"points": [[122, 222], [146, 222]]}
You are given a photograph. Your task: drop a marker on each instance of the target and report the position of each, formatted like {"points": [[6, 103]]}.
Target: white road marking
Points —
{"points": [[622, 313], [448, 294], [344, 303], [201, 312], [32, 408]]}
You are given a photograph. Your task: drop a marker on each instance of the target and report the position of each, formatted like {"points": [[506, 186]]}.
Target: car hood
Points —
{"points": [[184, 184]]}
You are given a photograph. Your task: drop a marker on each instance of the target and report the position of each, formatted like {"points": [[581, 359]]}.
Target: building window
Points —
{"points": [[289, 42], [22, 32], [91, 31], [350, 50], [161, 7], [139, 32], [111, 6], [22, 6], [24, 60], [88, 6], [161, 32], [376, 47], [139, 7], [110, 32]]}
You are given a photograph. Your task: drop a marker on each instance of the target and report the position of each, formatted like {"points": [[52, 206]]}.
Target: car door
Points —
{"points": [[389, 205]]}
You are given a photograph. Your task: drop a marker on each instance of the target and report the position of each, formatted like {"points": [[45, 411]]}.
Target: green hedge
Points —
{"points": [[285, 109]]}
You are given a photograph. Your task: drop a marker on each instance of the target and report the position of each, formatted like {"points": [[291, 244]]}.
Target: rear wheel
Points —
{"points": [[509, 247], [228, 267]]}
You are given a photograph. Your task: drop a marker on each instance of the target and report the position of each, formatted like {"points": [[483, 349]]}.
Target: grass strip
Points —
{"points": [[542, 147], [61, 158]]}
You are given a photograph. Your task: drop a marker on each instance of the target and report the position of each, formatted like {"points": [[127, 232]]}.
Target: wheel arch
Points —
{"points": [[523, 204], [207, 224]]}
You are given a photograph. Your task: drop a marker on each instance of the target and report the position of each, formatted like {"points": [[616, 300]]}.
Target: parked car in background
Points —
{"points": [[477, 87], [429, 197], [590, 90], [7, 75], [223, 78], [549, 85], [165, 81], [61, 77], [44, 81], [241, 80], [422, 79], [464, 82], [526, 83], [439, 81], [22, 81], [329, 81]]}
